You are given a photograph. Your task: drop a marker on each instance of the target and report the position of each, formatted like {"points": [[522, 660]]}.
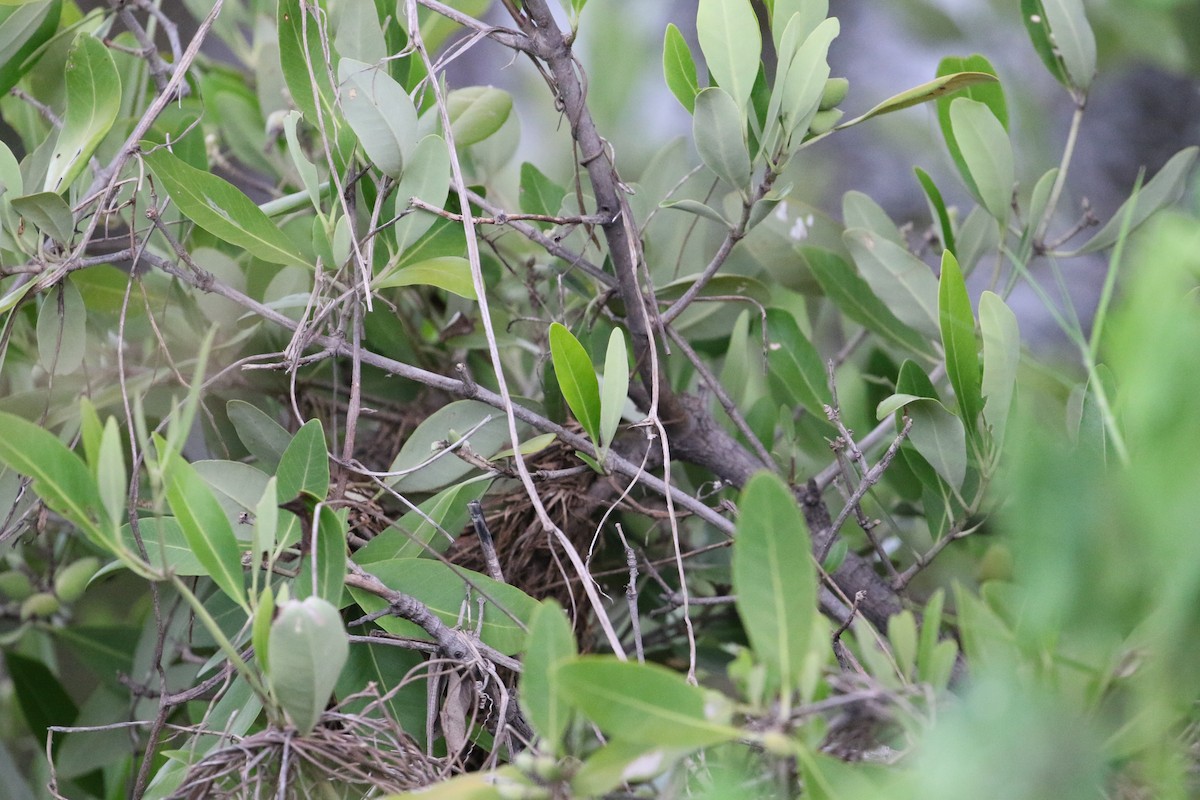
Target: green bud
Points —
{"points": [[835, 93], [824, 121], [15, 585], [71, 581], [42, 604]]}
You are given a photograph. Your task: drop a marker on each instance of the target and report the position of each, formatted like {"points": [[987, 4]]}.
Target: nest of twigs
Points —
{"points": [[531, 558], [347, 756]]}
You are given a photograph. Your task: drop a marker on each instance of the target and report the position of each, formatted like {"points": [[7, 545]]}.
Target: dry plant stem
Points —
{"points": [[586, 580], [953, 535], [159, 69], [631, 597], [504, 36]]}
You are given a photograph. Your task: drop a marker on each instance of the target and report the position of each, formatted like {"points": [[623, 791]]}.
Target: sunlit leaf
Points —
{"points": [[679, 69], [452, 273], [93, 101]]}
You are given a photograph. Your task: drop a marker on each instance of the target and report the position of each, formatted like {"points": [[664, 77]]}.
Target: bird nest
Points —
{"points": [[346, 756]]}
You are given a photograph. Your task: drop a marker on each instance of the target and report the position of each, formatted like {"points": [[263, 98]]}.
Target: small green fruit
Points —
{"points": [[15, 585], [824, 121], [72, 580], [42, 604], [835, 92]]}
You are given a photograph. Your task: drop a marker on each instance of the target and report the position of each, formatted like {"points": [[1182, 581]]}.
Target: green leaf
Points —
{"points": [[62, 332], [1039, 198], [902, 635], [304, 467], [804, 82], [806, 15], [539, 194], [41, 696], [60, 477], [220, 208], [260, 628], [445, 513], [990, 94], [860, 210], [774, 579], [23, 31], [1038, 28], [323, 573], [452, 273], [308, 646], [93, 102], [934, 89], [893, 272], [427, 177], [203, 523], [855, 298], [49, 213], [302, 48], [450, 592], [1165, 188], [1073, 40], [576, 378], [679, 68], [357, 32], [731, 42], [167, 549], [1001, 357], [699, 209], [938, 206], [111, 473], [486, 432], [620, 762], [265, 438], [380, 112], [894, 402], [266, 524], [718, 132], [958, 339], [616, 387], [645, 703], [476, 113], [986, 154], [305, 168], [940, 438], [551, 643], [796, 369]]}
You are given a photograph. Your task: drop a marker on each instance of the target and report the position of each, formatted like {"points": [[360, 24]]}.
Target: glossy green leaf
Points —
{"points": [[1165, 188], [958, 339], [308, 646], [59, 476], [485, 430], [452, 273], [796, 370], [62, 330], [938, 207], [699, 209], [1073, 40], [265, 438], [304, 467], [986, 154], [476, 113], [616, 387], [428, 178], [551, 643], [774, 578], [731, 42], [717, 129], [23, 30], [203, 523], [893, 272], [452, 593], [220, 208], [645, 703], [260, 628], [380, 112], [679, 68], [93, 101], [49, 213], [576, 378], [854, 298], [1001, 357], [934, 89]]}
